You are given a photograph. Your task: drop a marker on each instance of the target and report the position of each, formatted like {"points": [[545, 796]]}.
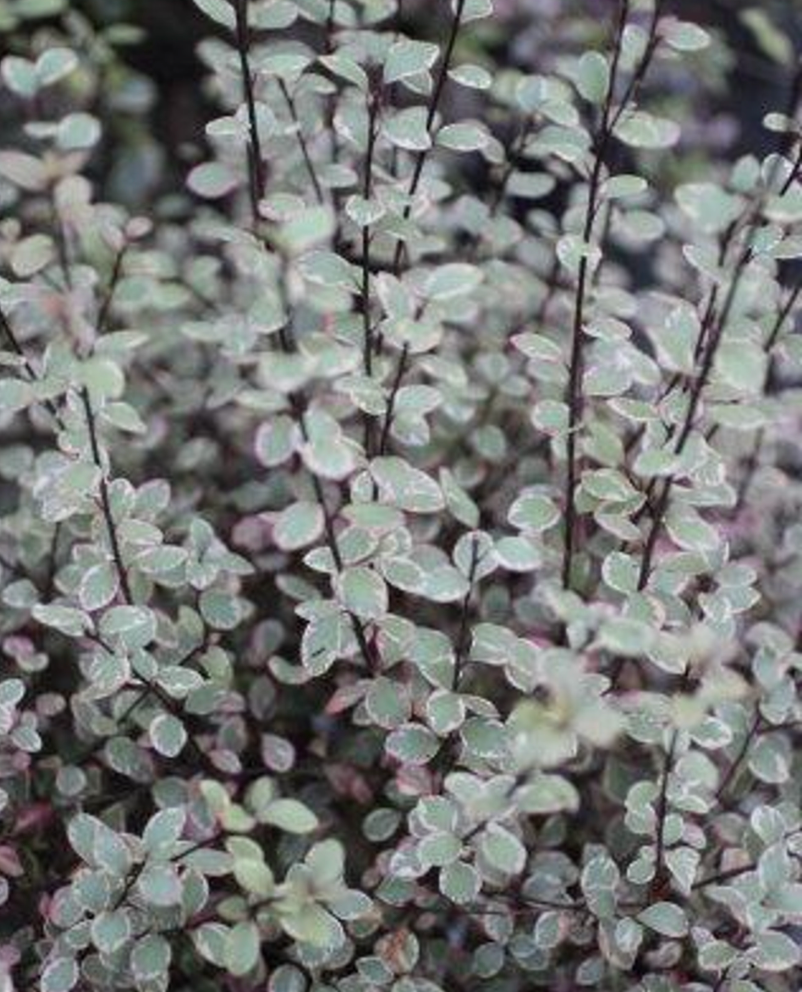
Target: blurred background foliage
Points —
{"points": [[151, 83]]}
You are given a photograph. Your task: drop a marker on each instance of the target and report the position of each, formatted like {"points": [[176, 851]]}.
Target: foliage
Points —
{"points": [[399, 550]]}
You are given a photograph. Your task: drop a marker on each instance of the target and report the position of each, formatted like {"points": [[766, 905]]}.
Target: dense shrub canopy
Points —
{"points": [[400, 559]]}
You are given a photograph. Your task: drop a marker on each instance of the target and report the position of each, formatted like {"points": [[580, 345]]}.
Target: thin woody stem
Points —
{"points": [[256, 164], [105, 500], [574, 397]]}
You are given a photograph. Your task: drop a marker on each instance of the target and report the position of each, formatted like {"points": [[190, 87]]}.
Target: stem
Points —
{"points": [[710, 337], [105, 307], [310, 166], [105, 501], [728, 776], [434, 104], [60, 238], [296, 402], [33, 375], [417, 171], [771, 340], [462, 636], [390, 411], [574, 398], [367, 345], [256, 165], [713, 340], [662, 813]]}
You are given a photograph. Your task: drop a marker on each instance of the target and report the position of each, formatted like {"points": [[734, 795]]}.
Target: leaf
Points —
{"points": [[19, 75], [220, 11], [212, 180], [163, 830], [99, 586], [55, 64], [471, 76], [134, 625], [408, 58], [502, 850], [445, 711], [770, 39], [600, 877], [65, 619], [160, 885], [387, 703], [111, 930], [219, 609], [412, 744], [641, 130], [593, 77], [298, 526], [666, 918], [449, 281], [533, 512], [23, 170], [408, 129], [406, 487], [289, 815], [363, 592], [161, 560], [463, 137], [78, 131], [774, 951], [150, 958], [684, 36], [31, 255], [311, 924], [59, 975], [167, 735], [439, 849], [460, 882], [15, 395], [473, 10]]}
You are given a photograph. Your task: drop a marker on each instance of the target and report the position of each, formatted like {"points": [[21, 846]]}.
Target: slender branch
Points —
{"points": [[516, 149], [710, 337], [105, 500], [367, 189], [389, 414], [33, 375], [104, 311], [723, 876], [431, 113], [662, 813], [574, 397], [288, 346], [302, 144], [713, 340], [60, 238], [729, 775], [417, 171], [257, 176], [462, 636], [754, 456]]}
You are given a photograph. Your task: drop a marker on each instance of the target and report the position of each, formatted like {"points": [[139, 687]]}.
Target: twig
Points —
{"points": [[374, 105], [105, 500], [417, 172], [310, 165], [662, 813], [574, 396], [256, 165], [33, 375], [462, 636], [752, 732]]}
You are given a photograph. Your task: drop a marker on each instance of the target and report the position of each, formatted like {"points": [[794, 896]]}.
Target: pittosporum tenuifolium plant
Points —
{"points": [[400, 543]]}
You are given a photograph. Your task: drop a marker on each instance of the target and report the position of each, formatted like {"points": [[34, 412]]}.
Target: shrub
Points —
{"points": [[399, 541]]}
